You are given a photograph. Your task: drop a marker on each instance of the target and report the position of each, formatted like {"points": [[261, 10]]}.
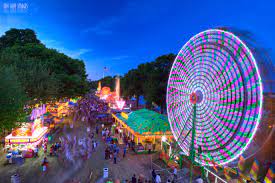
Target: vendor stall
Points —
{"points": [[144, 127], [27, 136], [52, 108]]}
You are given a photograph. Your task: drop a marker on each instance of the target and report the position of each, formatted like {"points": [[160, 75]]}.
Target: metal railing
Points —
{"points": [[207, 171]]}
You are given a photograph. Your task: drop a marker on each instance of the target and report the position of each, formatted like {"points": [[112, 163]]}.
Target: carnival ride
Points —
{"points": [[214, 98], [112, 98]]}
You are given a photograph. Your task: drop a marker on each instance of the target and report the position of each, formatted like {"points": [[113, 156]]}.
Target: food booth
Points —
{"points": [[27, 136], [145, 127]]}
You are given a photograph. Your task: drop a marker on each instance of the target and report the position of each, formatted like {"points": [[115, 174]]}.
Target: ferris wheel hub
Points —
{"points": [[196, 97]]}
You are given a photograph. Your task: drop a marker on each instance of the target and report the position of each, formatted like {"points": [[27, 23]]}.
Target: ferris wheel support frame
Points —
{"points": [[192, 150]]}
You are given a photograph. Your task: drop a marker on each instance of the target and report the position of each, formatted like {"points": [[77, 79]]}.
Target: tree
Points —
{"points": [[155, 84], [18, 36], [12, 99], [108, 81], [44, 73], [31, 71], [133, 84]]}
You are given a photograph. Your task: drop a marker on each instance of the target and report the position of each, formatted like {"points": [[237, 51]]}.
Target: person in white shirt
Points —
{"points": [[199, 180], [158, 179], [175, 171], [107, 132]]}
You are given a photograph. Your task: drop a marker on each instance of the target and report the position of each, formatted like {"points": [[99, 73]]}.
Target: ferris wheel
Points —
{"points": [[214, 97]]}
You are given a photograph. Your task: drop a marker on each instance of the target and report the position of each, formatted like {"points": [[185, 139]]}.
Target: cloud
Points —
{"points": [[102, 28], [3, 30], [76, 53], [73, 53]]}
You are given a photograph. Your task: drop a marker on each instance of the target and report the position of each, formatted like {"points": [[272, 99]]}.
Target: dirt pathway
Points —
{"points": [[31, 172]]}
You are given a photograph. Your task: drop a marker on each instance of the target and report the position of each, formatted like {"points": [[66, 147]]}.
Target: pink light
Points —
{"points": [[120, 104]]}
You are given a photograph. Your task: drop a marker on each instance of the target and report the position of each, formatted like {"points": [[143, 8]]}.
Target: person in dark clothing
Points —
{"points": [[134, 179], [51, 150], [149, 148], [55, 147], [133, 145], [106, 153], [115, 156], [153, 175], [124, 151]]}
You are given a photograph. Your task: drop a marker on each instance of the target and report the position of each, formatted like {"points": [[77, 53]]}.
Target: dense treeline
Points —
{"points": [[31, 72], [148, 80]]}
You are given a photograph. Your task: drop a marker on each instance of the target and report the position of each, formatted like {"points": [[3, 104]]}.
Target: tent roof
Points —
{"points": [[146, 121]]}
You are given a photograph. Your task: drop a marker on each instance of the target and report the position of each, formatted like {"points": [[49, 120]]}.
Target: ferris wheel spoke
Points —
{"points": [[182, 90], [184, 138]]}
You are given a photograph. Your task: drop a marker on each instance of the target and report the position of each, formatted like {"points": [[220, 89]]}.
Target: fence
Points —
{"points": [[182, 174]]}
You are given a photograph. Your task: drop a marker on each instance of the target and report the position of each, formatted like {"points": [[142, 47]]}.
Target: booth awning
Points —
{"points": [[146, 122]]}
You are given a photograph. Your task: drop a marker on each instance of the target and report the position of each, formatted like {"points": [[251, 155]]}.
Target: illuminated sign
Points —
{"points": [[120, 104]]}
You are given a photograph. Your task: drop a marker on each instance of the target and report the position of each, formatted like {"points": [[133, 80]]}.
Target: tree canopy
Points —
{"points": [[12, 98], [38, 73], [44, 73]]}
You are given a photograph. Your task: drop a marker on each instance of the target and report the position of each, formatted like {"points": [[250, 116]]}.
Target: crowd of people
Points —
{"points": [[77, 148], [112, 148], [73, 149], [88, 107], [54, 149], [70, 150]]}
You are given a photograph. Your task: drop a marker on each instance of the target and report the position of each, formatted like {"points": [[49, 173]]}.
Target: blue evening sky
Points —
{"points": [[121, 34]]}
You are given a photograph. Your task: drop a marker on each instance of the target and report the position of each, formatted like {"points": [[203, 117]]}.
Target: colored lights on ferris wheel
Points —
{"points": [[216, 71]]}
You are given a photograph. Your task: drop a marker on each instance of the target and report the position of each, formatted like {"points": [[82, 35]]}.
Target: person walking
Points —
{"points": [[45, 149], [117, 150], [114, 147], [44, 164], [106, 154], [124, 151], [55, 147], [51, 150], [96, 129], [36, 151], [134, 179], [199, 180], [158, 179], [175, 171], [94, 144], [149, 148], [153, 175], [115, 156]]}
